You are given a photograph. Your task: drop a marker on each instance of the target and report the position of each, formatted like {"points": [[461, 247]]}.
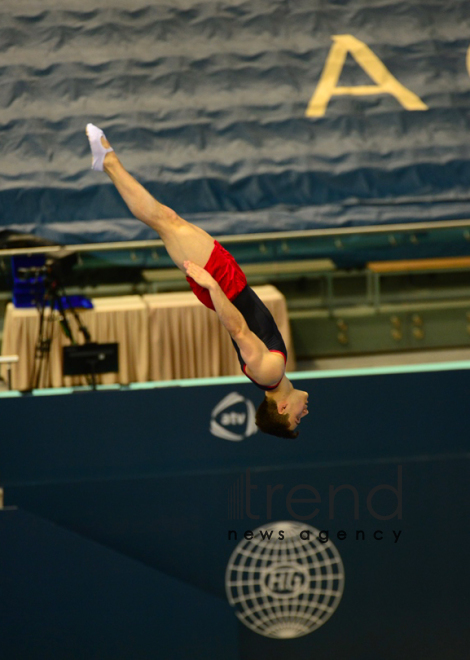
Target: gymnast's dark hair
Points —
{"points": [[270, 420]]}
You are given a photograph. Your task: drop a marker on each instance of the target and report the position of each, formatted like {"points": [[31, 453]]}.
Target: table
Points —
{"points": [[163, 336], [119, 319], [187, 340]]}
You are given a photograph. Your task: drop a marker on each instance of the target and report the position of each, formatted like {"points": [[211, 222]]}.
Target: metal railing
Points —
{"points": [[9, 360], [253, 238]]}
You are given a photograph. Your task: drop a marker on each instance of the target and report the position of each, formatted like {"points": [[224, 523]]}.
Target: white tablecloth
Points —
{"points": [[161, 337]]}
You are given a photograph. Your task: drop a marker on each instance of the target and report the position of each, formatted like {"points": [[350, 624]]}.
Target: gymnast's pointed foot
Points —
{"points": [[99, 146]]}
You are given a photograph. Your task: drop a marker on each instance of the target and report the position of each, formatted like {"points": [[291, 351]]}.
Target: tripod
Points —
{"points": [[54, 296]]}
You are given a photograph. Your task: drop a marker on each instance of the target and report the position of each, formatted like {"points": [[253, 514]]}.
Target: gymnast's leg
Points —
{"points": [[183, 241]]}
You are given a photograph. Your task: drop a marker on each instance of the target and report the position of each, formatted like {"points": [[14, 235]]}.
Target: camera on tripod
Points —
{"points": [[38, 281]]}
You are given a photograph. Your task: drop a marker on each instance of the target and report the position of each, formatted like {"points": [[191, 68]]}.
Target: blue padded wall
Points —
{"points": [[140, 473]]}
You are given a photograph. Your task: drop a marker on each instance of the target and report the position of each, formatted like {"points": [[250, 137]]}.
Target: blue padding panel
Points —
{"points": [[140, 432], [139, 472], [63, 596]]}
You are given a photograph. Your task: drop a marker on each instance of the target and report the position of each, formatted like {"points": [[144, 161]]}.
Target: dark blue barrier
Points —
{"points": [[381, 464], [65, 597]]}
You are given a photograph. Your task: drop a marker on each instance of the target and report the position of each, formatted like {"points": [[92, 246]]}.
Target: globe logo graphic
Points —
{"points": [[284, 586]]}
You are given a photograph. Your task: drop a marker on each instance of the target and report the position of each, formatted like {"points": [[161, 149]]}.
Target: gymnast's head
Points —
{"points": [[280, 416]]}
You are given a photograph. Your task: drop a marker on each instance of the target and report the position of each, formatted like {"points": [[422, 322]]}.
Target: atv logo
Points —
{"points": [[236, 412]]}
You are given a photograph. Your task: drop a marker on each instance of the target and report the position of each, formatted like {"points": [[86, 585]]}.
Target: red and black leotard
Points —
{"points": [[225, 270], [260, 321]]}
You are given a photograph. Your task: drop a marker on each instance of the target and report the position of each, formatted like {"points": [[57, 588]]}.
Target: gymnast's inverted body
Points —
{"points": [[220, 284]]}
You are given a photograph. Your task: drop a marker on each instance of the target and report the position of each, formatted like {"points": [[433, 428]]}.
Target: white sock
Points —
{"points": [[98, 151]]}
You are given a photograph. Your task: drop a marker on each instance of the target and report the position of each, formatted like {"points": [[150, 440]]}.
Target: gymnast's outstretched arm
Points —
{"points": [[261, 362], [228, 314]]}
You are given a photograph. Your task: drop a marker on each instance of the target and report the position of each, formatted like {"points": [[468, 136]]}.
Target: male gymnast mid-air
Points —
{"points": [[220, 284]]}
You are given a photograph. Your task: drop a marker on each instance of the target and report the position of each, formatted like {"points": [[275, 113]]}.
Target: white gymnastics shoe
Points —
{"points": [[98, 151]]}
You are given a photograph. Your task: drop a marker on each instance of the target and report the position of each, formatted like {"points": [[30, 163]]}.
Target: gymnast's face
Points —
{"points": [[296, 407]]}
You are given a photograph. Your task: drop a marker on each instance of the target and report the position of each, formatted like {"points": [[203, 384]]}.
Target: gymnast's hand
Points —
{"points": [[199, 275]]}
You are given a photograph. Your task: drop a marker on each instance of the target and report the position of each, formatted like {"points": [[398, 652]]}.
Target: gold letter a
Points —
{"points": [[385, 83]]}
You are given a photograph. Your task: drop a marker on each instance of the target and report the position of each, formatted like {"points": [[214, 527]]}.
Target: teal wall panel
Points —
{"points": [[139, 472], [63, 596]]}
